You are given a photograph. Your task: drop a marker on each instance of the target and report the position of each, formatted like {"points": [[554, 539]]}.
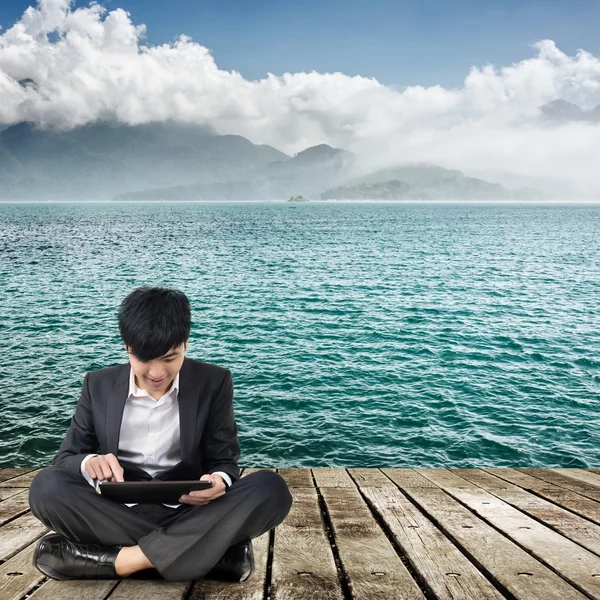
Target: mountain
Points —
{"points": [[308, 173], [413, 174], [321, 157], [423, 182], [186, 162], [101, 160], [563, 111]]}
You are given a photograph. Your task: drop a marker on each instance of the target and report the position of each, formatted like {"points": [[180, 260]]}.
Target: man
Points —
{"points": [[161, 416]]}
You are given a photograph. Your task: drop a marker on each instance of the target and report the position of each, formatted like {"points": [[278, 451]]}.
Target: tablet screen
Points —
{"points": [[150, 492]]}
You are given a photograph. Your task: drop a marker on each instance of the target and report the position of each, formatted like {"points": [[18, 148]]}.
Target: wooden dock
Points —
{"points": [[375, 534]]}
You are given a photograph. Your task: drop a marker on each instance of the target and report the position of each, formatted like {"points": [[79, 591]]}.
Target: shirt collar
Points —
{"points": [[134, 390]]}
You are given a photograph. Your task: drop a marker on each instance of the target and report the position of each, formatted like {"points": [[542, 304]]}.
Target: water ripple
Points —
{"points": [[358, 335]]}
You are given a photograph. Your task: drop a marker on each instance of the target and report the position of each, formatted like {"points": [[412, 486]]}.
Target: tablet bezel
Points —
{"points": [[150, 492]]}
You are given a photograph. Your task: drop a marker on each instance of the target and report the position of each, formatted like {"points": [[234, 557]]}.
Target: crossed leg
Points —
{"points": [[182, 544]]}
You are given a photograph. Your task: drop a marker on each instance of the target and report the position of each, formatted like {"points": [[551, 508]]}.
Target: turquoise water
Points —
{"points": [[373, 334]]}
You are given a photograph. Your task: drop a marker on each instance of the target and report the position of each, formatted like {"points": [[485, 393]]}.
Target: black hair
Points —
{"points": [[152, 321]]}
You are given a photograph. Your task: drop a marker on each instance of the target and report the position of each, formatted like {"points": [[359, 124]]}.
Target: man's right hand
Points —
{"points": [[104, 467]]}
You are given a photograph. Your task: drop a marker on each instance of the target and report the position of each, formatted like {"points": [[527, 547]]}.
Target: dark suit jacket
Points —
{"points": [[208, 429]]}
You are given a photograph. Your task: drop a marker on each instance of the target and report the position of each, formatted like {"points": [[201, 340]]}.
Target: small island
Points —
{"points": [[297, 199]]}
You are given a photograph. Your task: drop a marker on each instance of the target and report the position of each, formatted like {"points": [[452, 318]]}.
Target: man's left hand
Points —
{"points": [[202, 497]]}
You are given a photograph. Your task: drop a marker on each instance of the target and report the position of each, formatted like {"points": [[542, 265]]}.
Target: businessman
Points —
{"points": [[162, 416]]}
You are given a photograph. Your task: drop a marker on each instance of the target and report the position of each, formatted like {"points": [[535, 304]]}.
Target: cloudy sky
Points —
{"points": [[457, 83]]}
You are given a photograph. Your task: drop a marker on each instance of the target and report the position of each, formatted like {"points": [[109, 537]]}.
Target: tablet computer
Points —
{"points": [[150, 492]]}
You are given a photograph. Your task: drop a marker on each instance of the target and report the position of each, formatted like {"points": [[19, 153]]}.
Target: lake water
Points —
{"points": [[371, 334]]}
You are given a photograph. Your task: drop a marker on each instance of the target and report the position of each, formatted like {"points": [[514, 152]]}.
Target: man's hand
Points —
{"points": [[104, 467], [202, 497]]}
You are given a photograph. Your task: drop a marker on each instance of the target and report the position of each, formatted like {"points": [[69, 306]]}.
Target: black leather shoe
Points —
{"points": [[237, 564], [59, 558]]}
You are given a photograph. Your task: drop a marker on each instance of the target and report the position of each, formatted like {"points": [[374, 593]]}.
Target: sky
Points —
{"points": [[457, 83], [399, 42]]}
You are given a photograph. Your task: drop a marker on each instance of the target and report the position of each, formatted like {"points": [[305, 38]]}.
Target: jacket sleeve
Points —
{"points": [[80, 439], [220, 445]]}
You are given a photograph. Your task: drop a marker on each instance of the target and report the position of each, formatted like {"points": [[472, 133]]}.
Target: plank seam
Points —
{"points": [[35, 588], [490, 577], [550, 500], [534, 556], [15, 517], [20, 474], [534, 517], [418, 578], [566, 485], [328, 525], [269, 572]]}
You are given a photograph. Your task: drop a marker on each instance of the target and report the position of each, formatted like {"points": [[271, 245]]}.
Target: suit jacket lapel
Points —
{"points": [[119, 390], [188, 409]]}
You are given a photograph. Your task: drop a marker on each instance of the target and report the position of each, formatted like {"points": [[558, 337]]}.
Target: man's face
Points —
{"points": [[157, 375]]}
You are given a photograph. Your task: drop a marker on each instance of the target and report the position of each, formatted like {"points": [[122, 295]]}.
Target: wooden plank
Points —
{"points": [[14, 506], [17, 534], [575, 563], [448, 572], [6, 493], [518, 477], [572, 501], [303, 562], [150, 589], [18, 575], [370, 562], [370, 478], [585, 489], [249, 590], [508, 564], [22, 481], [332, 478], [565, 522], [297, 477], [10, 473], [81, 589], [408, 478], [580, 475]]}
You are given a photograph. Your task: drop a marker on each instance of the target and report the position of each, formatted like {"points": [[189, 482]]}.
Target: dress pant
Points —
{"points": [[182, 543]]}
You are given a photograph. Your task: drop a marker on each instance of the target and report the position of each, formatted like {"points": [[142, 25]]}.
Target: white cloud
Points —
{"points": [[89, 64]]}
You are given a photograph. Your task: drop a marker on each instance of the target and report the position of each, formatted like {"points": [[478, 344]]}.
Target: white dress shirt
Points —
{"points": [[149, 434]]}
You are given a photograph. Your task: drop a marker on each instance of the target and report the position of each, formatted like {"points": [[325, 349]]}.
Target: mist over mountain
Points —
{"points": [[103, 160], [561, 111], [307, 173], [425, 182], [170, 161], [66, 65]]}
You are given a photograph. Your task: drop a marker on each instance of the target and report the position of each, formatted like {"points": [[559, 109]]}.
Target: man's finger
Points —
{"points": [[117, 470], [106, 470], [91, 472]]}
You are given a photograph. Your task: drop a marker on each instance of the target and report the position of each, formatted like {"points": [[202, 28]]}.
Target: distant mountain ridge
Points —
{"points": [[307, 173], [563, 111], [424, 182], [100, 161], [168, 161]]}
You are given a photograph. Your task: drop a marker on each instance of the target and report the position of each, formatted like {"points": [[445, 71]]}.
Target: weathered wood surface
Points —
{"points": [[374, 534]]}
